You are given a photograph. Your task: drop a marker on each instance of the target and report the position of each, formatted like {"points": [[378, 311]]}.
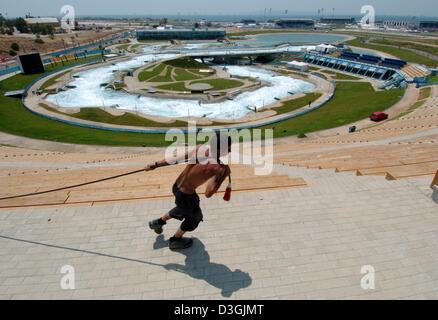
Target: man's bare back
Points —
{"points": [[195, 175]]}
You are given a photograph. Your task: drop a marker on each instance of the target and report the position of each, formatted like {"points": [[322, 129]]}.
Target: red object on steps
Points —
{"points": [[227, 195]]}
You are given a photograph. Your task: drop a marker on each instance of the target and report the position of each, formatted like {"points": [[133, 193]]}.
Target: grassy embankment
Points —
{"points": [[352, 101], [398, 52]]}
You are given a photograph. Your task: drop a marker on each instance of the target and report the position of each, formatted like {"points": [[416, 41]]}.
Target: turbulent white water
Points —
{"points": [[89, 93]]}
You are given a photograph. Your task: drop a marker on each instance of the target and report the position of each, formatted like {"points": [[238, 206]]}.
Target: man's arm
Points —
{"points": [[215, 182], [185, 158]]}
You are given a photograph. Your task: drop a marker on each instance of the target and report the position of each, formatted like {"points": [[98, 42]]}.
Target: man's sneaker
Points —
{"points": [[154, 225], [180, 243]]}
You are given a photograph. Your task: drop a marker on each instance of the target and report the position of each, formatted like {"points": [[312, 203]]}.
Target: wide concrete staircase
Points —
{"points": [[29, 171], [404, 147]]}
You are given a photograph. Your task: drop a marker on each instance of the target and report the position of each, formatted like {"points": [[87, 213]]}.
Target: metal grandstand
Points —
{"points": [[382, 69]]}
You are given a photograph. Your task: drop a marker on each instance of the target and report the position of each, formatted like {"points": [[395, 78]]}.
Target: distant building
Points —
{"points": [[248, 21], [397, 24], [299, 66], [296, 23], [325, 48], [43, 21], [248, 24], [429, 26], [337, 21], [180, 34], [267, 24]]}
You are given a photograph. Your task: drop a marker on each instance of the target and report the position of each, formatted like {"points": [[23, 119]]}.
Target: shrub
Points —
{"points": [[15, 46], [39, 40], [302, 135]]}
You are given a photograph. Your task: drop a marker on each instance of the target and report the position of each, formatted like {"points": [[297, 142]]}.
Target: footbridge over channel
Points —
{"points": [[229, 54]]}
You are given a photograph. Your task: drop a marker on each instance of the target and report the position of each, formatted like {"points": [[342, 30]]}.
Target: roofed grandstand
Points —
{"points": [[296, 23], [354, 63], [381, 68]]}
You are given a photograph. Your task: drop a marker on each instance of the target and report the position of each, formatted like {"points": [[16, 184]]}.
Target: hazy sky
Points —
{"points": [[209, 7]]}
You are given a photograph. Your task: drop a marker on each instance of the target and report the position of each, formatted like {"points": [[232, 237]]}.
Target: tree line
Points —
{"points": [[7, 26]]}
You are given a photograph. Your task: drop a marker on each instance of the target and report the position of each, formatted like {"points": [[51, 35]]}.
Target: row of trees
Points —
{"points": [[7, 27]]}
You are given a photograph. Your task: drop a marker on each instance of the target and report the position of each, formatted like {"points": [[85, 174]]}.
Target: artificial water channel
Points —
{"points": [[86, 91]]}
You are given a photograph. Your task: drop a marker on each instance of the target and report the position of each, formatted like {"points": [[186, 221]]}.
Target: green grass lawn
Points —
{"points": [[183, 68], [183, 75], [47, 107], [341, 76], [295, 104], [406, 44], [166, 77], [398, 52], [127, 119], [289, 72], [17, 120], [175, 86], [432, 79], [425, 39], [352, 101], [186, 63], [221, 84], [424, 93], [53, 80], [415, 106], [151, 72], [203, 74], [217, 84]]}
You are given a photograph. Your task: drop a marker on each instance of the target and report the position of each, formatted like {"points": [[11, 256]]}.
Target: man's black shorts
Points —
{"points": [[187, 209]]}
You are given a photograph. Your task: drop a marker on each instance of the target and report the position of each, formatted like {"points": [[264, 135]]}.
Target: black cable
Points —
{"points": [[72, 186], [79, 185]]}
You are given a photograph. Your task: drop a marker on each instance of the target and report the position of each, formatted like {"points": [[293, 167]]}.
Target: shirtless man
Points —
{"points": [[187, 209]]}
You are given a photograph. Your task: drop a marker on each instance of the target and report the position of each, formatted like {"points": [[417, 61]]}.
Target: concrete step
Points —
{"points": [[328, 182]]}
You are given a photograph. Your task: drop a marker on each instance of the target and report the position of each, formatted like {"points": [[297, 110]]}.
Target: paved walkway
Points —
{"points": [[289, 243]]}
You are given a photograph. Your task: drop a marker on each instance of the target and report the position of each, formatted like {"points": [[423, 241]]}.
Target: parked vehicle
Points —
{"points": [[378, 116]]}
